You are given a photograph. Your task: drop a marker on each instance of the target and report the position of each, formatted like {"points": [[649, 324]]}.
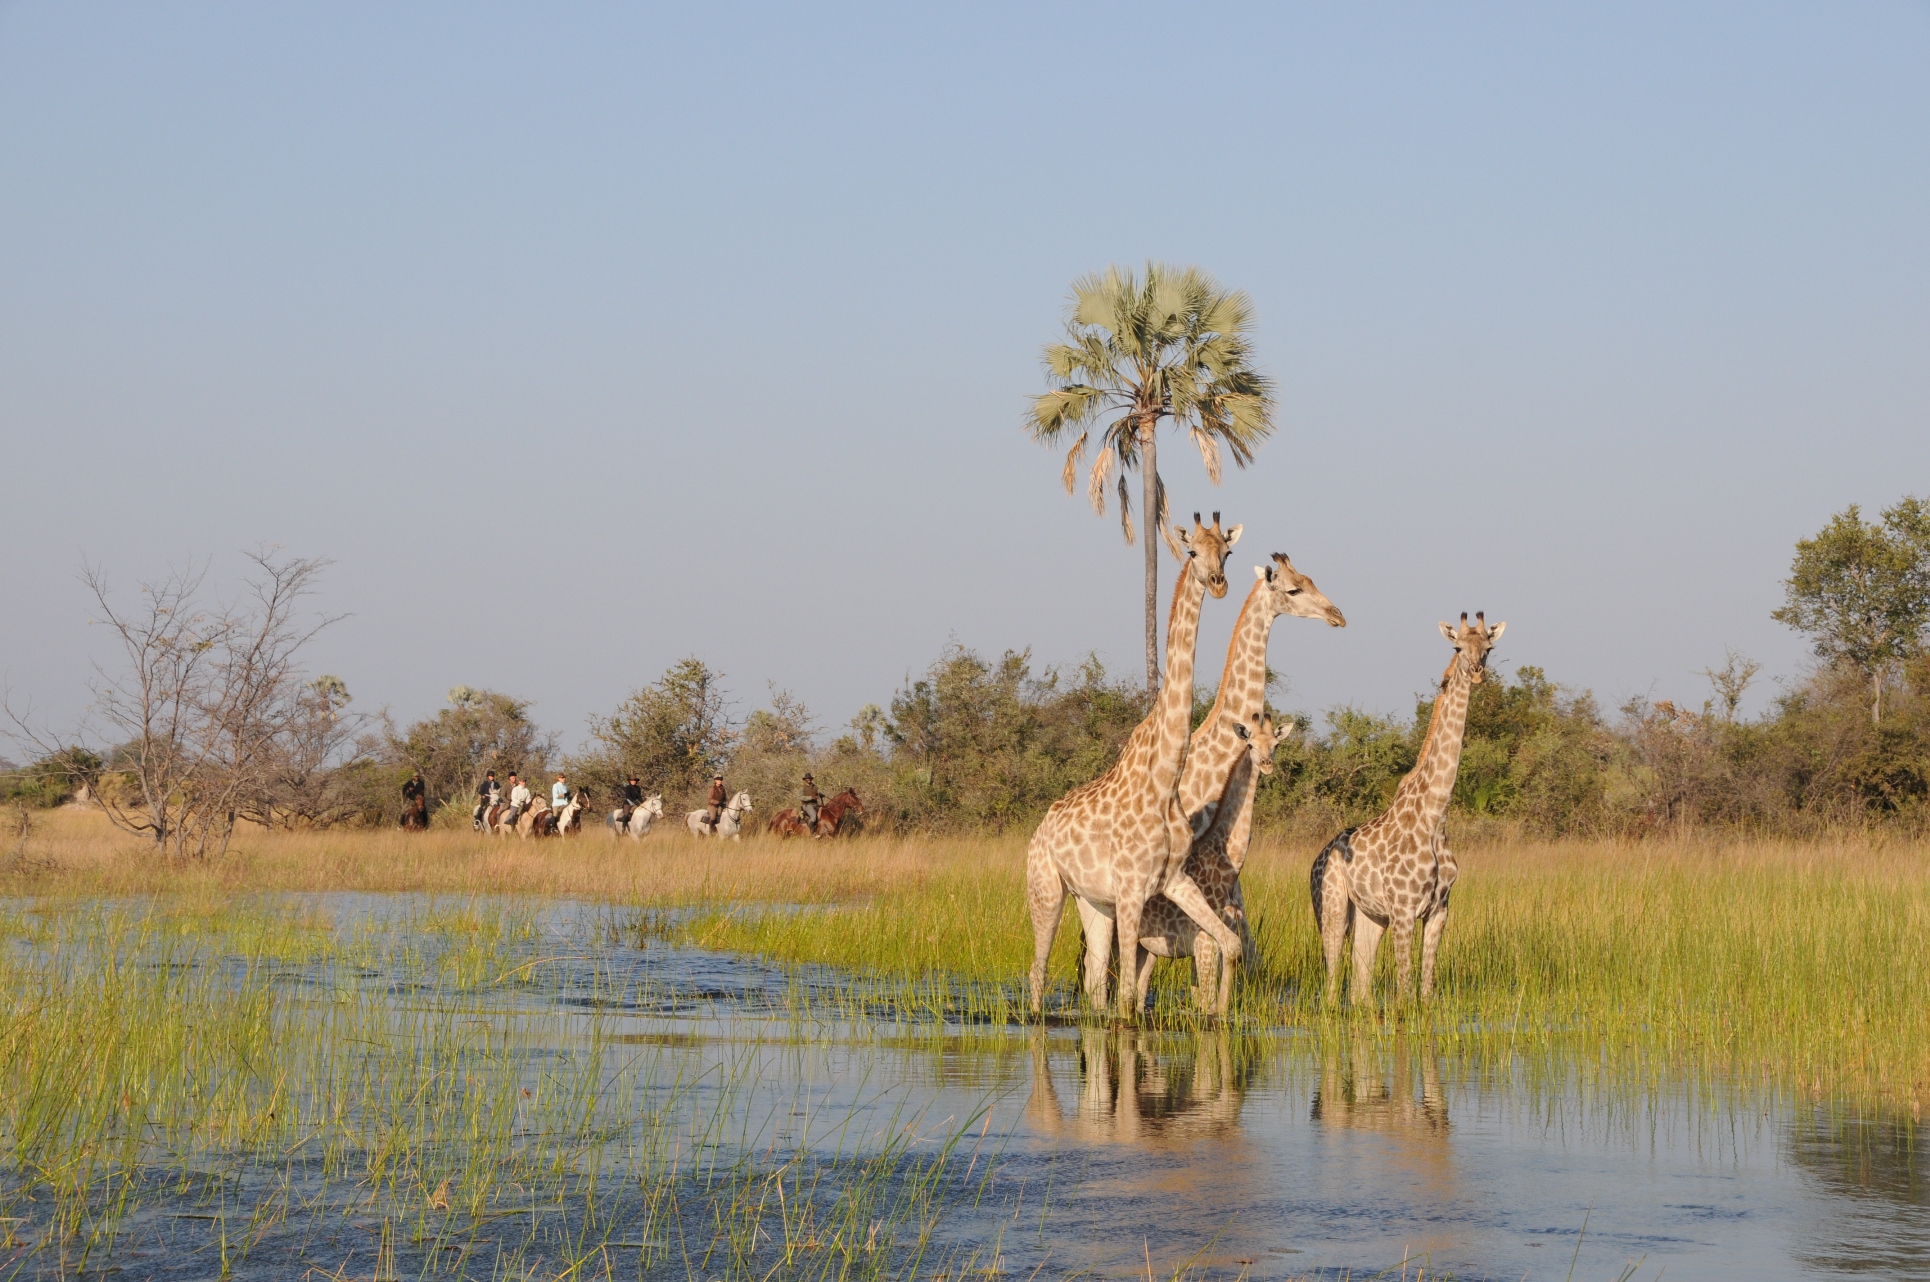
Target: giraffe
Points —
{"points": [[1397, 869], [1116, 842], [1214, 863], [1217, 747]]}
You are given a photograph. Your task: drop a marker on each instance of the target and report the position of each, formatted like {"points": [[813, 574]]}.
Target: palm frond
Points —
{"points": [[1096, 481], [1126, 509], [1209, 453], [1072, 460]]}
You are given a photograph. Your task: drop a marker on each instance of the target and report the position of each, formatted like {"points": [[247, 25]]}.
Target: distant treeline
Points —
{"points": [[986, 745], [978, 744]]}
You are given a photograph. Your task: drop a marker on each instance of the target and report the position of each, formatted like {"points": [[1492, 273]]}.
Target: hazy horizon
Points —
{"points": [[583, 341]]}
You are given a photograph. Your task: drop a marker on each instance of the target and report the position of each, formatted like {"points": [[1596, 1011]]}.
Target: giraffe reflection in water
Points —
{"points": [[1356, 1092], [1381, 1133], [1134, 1086]]}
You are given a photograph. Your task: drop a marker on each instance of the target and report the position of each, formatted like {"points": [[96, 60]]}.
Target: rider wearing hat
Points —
{"points": [[718, 796], [809, 802], [632, 798], [488, 793]]}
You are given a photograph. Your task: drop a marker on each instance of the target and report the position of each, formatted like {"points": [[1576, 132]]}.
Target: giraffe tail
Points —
{"points": [[1341, 846]]}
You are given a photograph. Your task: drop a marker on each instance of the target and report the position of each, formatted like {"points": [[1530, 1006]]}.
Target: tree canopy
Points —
{"points": [[1861, 590], [1170, 345]]}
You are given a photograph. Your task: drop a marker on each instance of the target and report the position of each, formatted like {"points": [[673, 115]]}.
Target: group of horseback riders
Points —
{"points": [[489, 795]]}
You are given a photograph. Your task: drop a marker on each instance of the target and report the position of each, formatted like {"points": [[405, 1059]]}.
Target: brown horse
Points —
{"points": [[842, 815], [789, 823], [415, 814]]}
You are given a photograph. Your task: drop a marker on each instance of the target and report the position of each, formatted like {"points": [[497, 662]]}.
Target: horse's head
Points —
{"points": [[742, 801], [850, 797], [653, 806]]}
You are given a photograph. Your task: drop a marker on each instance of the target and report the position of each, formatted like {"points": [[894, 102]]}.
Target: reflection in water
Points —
{"points": [[1363, 1089], [1129, 1091], [1874, 1175], [1355, 1091]]}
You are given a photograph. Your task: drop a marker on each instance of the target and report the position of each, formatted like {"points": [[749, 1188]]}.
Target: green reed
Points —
{"points": [[1808, 971], [283, 1082]]}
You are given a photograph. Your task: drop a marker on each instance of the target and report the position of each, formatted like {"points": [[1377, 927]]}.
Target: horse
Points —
{"points": [[789, 823], [569, 819], [537, 821], [729, 824], [415, 815], [647, 811], [841, 815]]}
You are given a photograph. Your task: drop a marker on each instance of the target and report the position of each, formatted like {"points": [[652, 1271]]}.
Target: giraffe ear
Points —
{"points": [[1233, 535], [1261, 572], [1241, 730], [1176, 541], [1494, 633], [1450, 634]]}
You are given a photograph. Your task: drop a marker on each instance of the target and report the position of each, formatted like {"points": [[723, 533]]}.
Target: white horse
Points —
{"points": [[569, 819], [729, 824], [647, 812]]}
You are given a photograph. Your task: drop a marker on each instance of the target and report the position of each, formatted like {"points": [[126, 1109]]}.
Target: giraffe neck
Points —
{"points": [[1431, 781], [1174, 711], [1240, 791], [1243, 685]]}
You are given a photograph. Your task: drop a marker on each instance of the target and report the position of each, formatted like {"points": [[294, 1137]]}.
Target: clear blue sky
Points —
{"points": [[587, 338]]}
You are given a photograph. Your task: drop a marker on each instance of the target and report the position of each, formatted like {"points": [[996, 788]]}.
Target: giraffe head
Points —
{"points": [[1291, 592], [1471, 644], [1204, 549], [1262, 739]]}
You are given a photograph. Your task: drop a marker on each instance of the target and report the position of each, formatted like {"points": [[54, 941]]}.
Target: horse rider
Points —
{"points": [[809, 802], [718, 796], [488, 793], [415, 804], [519, 798], [559, 792], [632, 798]]}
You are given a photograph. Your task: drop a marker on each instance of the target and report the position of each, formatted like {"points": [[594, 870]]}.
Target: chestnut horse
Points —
{"points": [[841, 815], [844, 809]]}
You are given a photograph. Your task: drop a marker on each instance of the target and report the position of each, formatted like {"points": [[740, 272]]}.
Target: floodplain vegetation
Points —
{"points": [[194, 1053]]}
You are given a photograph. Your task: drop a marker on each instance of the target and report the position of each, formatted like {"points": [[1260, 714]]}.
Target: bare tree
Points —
{"points": [[307, 773], [199, 701]]}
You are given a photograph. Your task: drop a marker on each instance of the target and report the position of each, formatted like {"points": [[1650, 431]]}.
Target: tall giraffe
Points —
{"points": [[1214, 864], [1396, 870], [1116, 842]]}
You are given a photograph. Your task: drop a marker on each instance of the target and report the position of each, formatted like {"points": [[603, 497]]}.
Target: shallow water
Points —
{"points": [[1118, 1152]]}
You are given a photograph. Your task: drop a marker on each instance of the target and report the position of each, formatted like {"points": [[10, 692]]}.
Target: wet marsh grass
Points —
{"points": [[338, 1092], [1799, 963]]}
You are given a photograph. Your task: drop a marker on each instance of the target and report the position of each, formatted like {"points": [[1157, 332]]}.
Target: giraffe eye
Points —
{"points": [[1293, 591]]}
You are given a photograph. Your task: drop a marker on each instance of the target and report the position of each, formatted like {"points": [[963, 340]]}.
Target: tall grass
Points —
{"points": [[1802, 962], [291, 1088]]}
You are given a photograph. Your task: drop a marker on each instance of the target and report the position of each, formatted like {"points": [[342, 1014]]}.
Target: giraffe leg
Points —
{"points": [[1437, 924], [1145, 977], [1098, 928], [1185, 892], [1206, 970], [1334, 914], [1126, 918], [1401, 936], [1367, 933], [1045, 895]]}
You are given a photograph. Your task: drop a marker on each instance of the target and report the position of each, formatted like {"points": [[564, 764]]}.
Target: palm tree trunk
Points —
{"points": [[1149, 532]]}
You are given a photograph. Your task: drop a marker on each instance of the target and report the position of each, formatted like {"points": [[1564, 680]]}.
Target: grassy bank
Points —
{"points": [[1802, 961]]}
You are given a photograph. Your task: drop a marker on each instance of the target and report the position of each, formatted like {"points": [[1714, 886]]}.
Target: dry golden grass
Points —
{"points": [[72, 852]]}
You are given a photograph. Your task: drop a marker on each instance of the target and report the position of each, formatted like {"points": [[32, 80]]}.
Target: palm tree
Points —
{"points": [[1171, 345]]}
